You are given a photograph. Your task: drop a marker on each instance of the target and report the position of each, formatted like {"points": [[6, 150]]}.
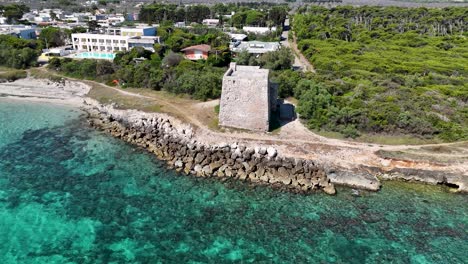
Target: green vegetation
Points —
{"points": [[18, 53], [281, 59], [166, 69], [10, 76], [13, 12], [254, 14], [176, 39], [54, 36], [140, 68], [384, 70]]}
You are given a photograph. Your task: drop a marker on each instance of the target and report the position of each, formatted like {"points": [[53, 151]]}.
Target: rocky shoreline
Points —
{"points": [[257, 162], [174, 143]]}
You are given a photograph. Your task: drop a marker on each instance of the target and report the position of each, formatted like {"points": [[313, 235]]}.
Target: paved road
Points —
{"points": [[299, 60]]}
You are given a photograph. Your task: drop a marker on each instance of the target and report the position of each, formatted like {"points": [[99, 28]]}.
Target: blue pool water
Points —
{"points": [[95, 55], [69, 194]]}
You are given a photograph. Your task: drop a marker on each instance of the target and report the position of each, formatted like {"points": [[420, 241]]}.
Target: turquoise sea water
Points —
{"points": [[69, 194]]}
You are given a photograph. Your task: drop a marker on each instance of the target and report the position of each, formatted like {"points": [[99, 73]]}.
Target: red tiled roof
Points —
{"points": [[202, 47]]}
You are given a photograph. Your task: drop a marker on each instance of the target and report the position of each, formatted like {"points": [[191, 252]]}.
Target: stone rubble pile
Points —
{"points": [[176, 144]]}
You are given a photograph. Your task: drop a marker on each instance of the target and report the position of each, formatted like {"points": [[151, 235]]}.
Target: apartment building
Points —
{"points": [[100, 42], [116, 39]]}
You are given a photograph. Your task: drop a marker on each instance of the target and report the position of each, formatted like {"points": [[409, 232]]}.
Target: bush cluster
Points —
{"points": [[385, 70]]}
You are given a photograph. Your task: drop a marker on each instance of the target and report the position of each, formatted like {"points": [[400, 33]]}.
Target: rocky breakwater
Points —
{"points": [[175, 143]]}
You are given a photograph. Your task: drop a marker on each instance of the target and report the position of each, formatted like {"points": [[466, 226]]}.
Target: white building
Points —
{"points": [[180, 24], [99, 42], [116, 39], [237, 37], [259, 30], [132, 32], [42, 19], [255, 47], [210, 22]]}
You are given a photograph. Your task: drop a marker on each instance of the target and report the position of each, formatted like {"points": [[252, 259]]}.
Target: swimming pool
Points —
{"points": [[95, 55]]}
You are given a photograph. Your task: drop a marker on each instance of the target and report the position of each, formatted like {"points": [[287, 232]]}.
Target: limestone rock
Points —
{"points": [[330, 189], [271, 152]]}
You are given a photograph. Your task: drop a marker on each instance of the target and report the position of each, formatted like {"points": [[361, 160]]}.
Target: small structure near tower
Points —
{"points": [[247, 98]]}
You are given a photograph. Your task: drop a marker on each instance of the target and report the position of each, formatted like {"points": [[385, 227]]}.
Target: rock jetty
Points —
{"points": [[174, 142]]}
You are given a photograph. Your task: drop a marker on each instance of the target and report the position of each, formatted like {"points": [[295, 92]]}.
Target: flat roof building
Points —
{"points": [[116, 39], [259, 30], [20, 31], [255, 47]]}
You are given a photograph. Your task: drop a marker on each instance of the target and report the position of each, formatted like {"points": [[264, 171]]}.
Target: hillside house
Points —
{"points": [[255, 47], [197, 52]]}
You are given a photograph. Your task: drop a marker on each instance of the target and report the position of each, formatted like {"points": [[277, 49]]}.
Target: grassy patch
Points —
{"points": [[108, 95], [395, 139], [12, 75], [329, 134], [415, 155], [379, 139], [214, 124]]}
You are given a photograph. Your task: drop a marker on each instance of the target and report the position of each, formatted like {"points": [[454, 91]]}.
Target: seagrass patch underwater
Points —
{"points": [[69, 194]]}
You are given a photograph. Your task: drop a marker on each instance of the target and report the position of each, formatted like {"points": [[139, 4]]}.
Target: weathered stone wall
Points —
{"points": [[245, 99], [174, 143]]}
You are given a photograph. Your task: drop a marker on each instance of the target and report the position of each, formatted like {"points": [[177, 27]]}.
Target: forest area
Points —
{"points": [[385, 70]]}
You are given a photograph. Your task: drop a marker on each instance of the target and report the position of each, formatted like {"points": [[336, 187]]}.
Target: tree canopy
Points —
{"points": [[13, 12], [387, 69]]}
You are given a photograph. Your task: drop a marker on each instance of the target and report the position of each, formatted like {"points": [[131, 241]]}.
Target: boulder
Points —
{"points": [[241, 174], [215, 165], [260, 150], [178, 164], [272, 152], [198, 169], [199, 158], [207, 171], [330, 189]]}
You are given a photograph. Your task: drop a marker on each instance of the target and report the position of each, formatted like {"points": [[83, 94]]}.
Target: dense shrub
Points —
{"points": [[388, 70], [18, 53], [139, 68]]}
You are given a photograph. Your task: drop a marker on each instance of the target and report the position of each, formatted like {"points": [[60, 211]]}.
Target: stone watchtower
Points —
{"points": [[247, 98]]}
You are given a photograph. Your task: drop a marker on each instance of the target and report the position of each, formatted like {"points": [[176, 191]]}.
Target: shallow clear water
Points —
{"points": [[69, 194]]}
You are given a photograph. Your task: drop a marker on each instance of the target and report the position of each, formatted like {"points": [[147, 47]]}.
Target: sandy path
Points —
{"points": [[299, 59]]}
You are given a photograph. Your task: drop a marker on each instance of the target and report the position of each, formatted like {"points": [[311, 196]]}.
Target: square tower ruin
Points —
{"points": [[247, 98]]}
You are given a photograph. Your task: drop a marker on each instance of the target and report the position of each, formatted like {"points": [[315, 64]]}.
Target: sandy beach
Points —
{"points": [[40, 90]]}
